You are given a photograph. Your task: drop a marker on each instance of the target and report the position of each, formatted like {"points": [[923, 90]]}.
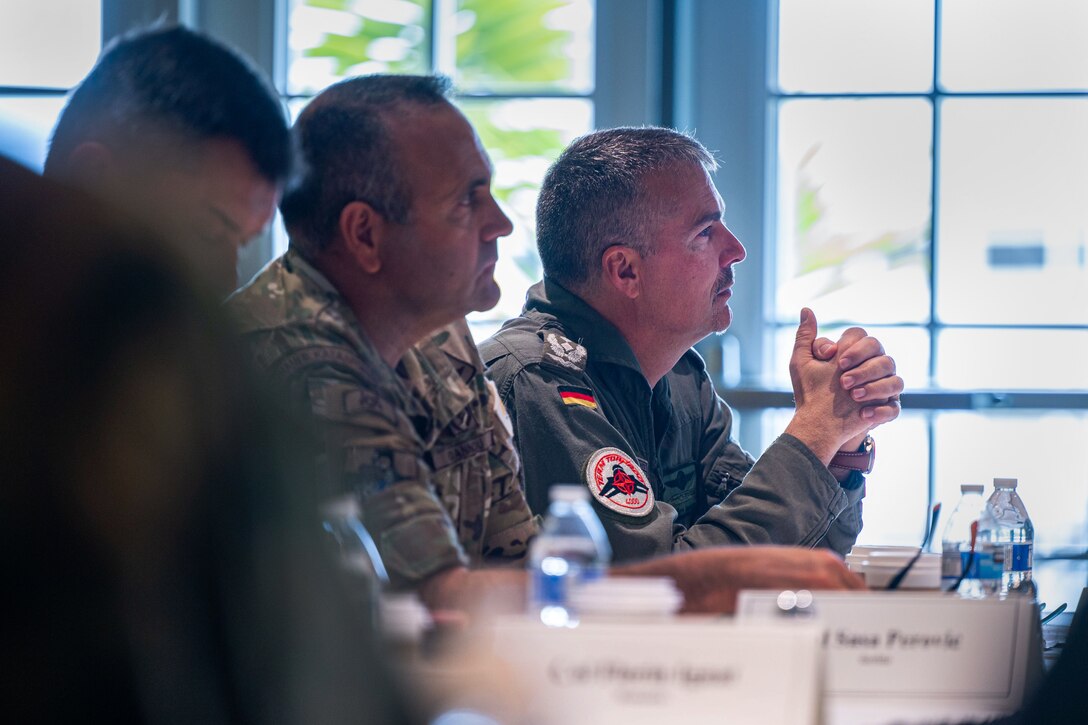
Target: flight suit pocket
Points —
{"points": [[678, 490], [721, 481]]}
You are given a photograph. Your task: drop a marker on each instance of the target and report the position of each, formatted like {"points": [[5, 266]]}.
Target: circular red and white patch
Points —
{"points": [[618, 482]]}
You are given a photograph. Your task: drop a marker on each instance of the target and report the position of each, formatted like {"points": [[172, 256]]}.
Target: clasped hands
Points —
{"points": [[841, 390]]}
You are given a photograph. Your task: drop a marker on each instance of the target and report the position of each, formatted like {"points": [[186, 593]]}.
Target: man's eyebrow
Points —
{"points": [[707, 218], [225, 218], [479, 182]]}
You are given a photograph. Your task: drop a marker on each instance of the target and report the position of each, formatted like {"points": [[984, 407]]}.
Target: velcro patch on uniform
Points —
{"points": [[446, 456], [564, 353], [618, 483], [573, 395]]}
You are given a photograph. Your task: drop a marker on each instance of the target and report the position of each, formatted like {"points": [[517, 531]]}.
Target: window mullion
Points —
{"points": [[444, 36]]}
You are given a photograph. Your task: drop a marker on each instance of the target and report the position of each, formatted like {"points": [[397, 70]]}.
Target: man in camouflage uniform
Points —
{"points": [[412, 428], [393, 237], [434, 420]]}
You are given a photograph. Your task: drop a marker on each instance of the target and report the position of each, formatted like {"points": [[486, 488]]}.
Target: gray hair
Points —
{"points": [[593, 196], [346, 153]]}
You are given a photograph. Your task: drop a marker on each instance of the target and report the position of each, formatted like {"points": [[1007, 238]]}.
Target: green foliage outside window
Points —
{"points": [[349, 51], [508, 42], [506, 46]]}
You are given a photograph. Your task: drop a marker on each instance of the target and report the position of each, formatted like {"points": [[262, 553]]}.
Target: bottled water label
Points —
{"points": [[556, 576], [548, 588], [989, 562], [1019, 557], [951, 564]]}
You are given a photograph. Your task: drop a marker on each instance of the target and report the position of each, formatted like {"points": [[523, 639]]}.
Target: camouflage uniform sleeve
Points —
{"points": [[510, 524], [368, 445]]}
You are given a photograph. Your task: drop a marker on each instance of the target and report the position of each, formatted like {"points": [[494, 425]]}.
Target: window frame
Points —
{"points": [[736, 115], [745, 138]]}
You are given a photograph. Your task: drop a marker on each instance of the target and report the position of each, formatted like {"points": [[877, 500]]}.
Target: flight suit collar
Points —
{"points": [[581, 323]]}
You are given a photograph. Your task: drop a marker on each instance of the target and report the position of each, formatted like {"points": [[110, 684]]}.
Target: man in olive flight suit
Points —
{"points": [[601, 382]]}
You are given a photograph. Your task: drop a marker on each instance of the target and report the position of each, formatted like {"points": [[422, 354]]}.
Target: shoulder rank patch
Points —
{"points": [[560, 351], [573, 395], [618, 483]]}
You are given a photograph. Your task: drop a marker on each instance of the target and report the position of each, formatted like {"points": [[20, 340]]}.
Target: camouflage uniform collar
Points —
{"points": [[295, 263], [581, 323], [331, 306], [447, 384], [327, 309]]}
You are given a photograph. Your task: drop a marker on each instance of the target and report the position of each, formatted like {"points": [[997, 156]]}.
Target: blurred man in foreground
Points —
{"points": [[182, 133], [394, 235], [600, 378], [162, 564]]}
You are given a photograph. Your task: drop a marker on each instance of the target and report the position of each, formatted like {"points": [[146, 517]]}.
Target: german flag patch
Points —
{"points": [[573, 395]]}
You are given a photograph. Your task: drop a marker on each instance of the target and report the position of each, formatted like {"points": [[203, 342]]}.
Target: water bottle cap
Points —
{"points": [[568, 492], [1005, 483], [971, 488]]}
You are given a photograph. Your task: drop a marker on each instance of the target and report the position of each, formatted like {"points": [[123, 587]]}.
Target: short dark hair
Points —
{"points": [[172, 80], [593, 196], [346, 153]]}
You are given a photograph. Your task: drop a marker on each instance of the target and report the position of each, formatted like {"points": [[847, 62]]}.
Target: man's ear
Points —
{"points": [[363, 231], [91, 163], [621, 267]]}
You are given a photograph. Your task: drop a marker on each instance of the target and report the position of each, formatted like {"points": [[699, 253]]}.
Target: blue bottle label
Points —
{"points": [[987, 564], [972, 573], [1020, 559], [549, 589]]}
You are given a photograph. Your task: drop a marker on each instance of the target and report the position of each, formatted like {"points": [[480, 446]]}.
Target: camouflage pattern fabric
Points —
{"points": [[427, 447]]}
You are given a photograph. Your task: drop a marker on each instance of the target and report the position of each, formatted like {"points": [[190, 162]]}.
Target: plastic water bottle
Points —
{"points": [[956, 540], [570, 549], [354, 552], [1007, 528]]}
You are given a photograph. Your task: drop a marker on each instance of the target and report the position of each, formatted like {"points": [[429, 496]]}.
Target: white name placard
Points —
{"points": [[909, 657], [686, 670]]}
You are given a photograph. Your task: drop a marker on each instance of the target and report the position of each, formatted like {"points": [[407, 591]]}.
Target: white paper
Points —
{"points": [[702, 670], [908, 657]]}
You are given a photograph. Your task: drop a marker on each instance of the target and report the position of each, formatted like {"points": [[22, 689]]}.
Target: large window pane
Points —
{"points": [[25, 126], [897, 491], [1014, 45], [523, 46], [331, 39], [854, 209], [908, 345], [853, 46], [1011, 359], [1046, 452], [1014, 211], [523, 137], [31, 34]]}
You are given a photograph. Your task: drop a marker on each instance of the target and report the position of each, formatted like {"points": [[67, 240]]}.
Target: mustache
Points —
{"points": [[725, 279]]}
